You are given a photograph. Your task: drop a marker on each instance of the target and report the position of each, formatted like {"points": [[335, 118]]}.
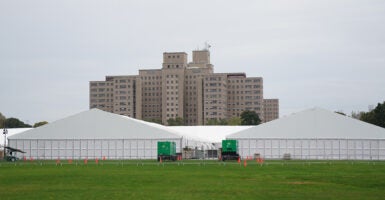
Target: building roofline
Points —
{"points": [[236, 74], [174, 52], [201, 50], [120, 76], [150, 70]]}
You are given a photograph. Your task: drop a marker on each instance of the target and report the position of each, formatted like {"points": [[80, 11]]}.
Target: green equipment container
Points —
{"points": [[229, 150], [166, 148], [229, 146]]}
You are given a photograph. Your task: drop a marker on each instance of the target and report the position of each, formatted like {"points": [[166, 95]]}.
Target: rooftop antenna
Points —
{"points": [[207, 46]]}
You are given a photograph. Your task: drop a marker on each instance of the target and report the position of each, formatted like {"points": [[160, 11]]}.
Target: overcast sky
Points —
{"points": [[328, 54]]}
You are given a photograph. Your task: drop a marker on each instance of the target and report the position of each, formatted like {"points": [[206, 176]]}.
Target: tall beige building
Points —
{"points": [[271, 109], [189, 90]]}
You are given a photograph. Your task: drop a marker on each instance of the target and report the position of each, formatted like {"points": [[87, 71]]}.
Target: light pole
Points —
{"points": [[5, 131]]}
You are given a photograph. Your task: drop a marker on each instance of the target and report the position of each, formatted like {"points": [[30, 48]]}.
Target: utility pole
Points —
{"points": [[5, 132]]}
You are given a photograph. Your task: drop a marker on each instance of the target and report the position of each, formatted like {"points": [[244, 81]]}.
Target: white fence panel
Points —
{"points": [[322, 149]]}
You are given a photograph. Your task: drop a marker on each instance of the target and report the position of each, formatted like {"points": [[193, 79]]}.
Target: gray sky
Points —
{"points": [[329, 54]]}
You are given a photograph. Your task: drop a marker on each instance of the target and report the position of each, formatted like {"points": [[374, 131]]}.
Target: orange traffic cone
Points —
{"points": [[259, 160], [245, 163], [239, 159]]}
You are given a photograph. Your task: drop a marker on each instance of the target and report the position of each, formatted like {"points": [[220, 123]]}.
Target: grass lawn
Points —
{"points": [[192, 180]]}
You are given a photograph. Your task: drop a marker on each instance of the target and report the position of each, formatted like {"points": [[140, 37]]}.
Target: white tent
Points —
{"points": [[96, 134], [214, 134], [313, 134], [10, 132]]}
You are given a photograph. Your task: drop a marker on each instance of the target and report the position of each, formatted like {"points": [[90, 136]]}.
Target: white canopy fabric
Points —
{"points": [[97, 124], [95, 133], [214, 134], [11, 132], [314, 123]]}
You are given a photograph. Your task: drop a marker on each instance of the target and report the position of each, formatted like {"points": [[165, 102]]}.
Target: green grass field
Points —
{"points": [[193, 180]]}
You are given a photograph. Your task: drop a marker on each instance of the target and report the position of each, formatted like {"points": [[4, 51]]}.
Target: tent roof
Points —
{"points": [[314, 123], [213, 134], [12, 131], [97, 124]]}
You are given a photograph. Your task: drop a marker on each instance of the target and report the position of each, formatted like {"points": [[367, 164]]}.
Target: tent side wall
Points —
{"points": [[313, 149], [91, 148]]}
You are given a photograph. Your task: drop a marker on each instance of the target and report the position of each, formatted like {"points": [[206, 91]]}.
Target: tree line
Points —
{"points": [[375, 116], [16, 123]]}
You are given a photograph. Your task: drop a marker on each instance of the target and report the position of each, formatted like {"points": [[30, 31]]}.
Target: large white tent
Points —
{"points": [[96, 134], [313, 134]]}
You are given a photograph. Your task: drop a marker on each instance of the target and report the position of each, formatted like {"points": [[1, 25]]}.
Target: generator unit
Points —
{"points": [[167, 151], [229, 150]]}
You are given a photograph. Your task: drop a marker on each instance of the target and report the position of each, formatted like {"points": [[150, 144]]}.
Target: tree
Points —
{"points": [[15, 123], [367, 117], [340, 112], [223, 122], [234, 121], [178, 121], [2, 120], [216, 122], [375, 116], [379, 113], [356, 115], [37, 124], [153, 120], [250, 118], [211, 122]]}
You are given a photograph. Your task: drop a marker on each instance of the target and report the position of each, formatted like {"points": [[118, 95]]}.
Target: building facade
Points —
{"points": [[271, 109], [189, 90]]}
